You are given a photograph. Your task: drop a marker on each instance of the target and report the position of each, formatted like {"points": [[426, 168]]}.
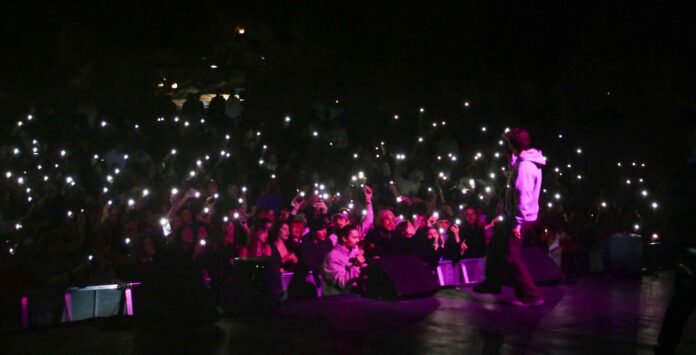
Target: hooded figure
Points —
{"points": [[522, 198]]}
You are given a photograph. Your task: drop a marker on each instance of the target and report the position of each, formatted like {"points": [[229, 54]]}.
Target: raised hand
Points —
{"points": [[367, 191]]}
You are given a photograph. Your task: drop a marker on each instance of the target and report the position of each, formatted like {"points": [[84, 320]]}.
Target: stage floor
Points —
{"points": [[595, 315]]}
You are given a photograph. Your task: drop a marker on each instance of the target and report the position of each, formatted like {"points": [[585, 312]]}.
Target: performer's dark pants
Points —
{"points": [[504, 262], [680, 308]]}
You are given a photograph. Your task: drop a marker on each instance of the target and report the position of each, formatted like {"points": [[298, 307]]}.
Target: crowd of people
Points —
{"points": [[92, 201]]}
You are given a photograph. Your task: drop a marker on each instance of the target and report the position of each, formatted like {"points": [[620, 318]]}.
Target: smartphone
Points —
{"points": [[166, 228]]}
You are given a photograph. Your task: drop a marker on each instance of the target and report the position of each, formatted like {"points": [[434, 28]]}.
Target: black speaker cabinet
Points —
{"points": [[401, 277]]}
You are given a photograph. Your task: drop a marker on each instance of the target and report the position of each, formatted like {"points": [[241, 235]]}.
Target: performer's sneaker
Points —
{"points": [[523, 304], [483, 288]]}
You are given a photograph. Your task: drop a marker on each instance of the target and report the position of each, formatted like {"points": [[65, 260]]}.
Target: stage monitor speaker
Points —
{"points": [[258, 286], [401, 277], [540, 265]]}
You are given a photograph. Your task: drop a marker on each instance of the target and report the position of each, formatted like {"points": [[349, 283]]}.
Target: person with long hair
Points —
{"points": [[258, 241], [279, 235]]}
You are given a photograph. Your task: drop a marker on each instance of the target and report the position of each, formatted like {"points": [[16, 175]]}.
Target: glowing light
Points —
{"points": [[466, 103], [206, 210], [260, 161], [579, 177], [603, 204], [560, 136], [20, 180], [146, 192], [235, 215], [192, 173], [655, 236], [103, 123], [315, 133], [628, 181], [213, 66], [483, 129], [18, 226], [644, 193], [69, 179], [131, 202], [163, 221], [579, 151], [109, 178], [396, 117], [90, 257], [117, 171], [15, 151], [557, 196], [175, 191], [241, 30], [420, 139], [186, 123], [70, 214], [287, 119], [492, 175], [8, 174], [202, 242], [197, 194], [127, 240], [422, 110], [654, 205], [173, 151], [355, 155], [636, 227], [20, 123], [45, 178], [174, 86], [549, 205]]}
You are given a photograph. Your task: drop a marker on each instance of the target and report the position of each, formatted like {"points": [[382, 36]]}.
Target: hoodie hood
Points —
{"points": [[533, 155]]}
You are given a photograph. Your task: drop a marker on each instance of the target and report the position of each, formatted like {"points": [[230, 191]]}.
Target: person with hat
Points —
{"points": [[342, 218], [312, 250]]}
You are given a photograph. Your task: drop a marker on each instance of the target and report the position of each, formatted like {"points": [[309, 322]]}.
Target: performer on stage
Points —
{"points": [[521, 208]]}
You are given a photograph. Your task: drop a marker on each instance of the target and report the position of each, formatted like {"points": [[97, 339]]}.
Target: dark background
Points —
{"points": [[539, 64]]}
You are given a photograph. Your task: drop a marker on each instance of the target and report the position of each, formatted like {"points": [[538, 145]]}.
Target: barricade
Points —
{"points": [[464, 272], [48, 306]]}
